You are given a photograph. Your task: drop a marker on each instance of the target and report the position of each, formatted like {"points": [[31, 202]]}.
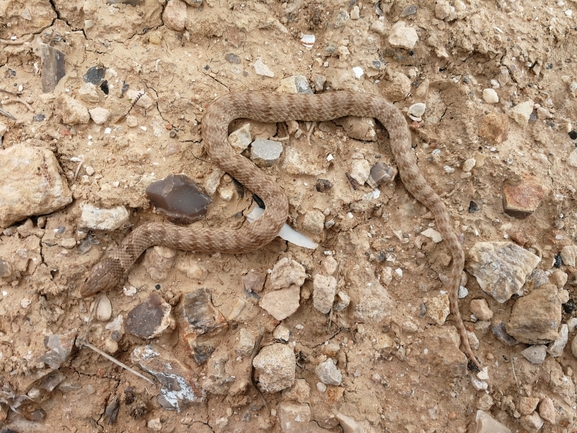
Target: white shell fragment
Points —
{"points": [[416, 111], [308, 41], [358, 71], [286, 232]]}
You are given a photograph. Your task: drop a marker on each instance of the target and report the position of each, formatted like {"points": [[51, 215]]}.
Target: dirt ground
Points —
{"points": [[401, 371]]}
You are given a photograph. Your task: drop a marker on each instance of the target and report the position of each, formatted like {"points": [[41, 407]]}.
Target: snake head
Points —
{"points": [[106, 275]]}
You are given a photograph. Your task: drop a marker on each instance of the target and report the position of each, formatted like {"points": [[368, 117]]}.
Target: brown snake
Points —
{"points": [[110, 272]]}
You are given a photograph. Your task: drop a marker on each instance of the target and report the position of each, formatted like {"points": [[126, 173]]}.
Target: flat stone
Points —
{"points": [[531, 422], [494, 127], [527, 405], [293, 417], [295, 84], [536, 317], [72, 111], [402, 36], [95, 218], [328, 373], [281, 303], [522, 112], [490, 96], [360, 170], [150, 318], [253, 281], [261, 69], [53, 67], [60, 346], [324, 290], [275, 366], [265, 153], [359, 128], [556, 348], [501, 268], [381, 173], [246, 342], [286, 272], [31, 184], [88, 93], [521, 199], [438, 308], [487, 424]]}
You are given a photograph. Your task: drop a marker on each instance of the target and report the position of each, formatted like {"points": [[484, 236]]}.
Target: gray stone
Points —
{"points": [[295, 84], [265, 152], [328, 373], [536, 317], [501, 268], [535, 354], [95, 218], [246, 342], [275, 366], [324, 290], [31, 184]]}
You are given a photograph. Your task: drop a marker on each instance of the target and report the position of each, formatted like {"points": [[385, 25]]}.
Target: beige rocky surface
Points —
{"points": [[160, 63]]}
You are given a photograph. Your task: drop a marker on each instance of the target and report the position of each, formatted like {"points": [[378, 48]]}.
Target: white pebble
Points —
{"points": [[416, 111], [469, 164], [358, 71], [308, 41], [490, 96]]}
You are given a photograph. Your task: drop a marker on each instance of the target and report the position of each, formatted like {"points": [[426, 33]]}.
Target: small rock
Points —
{"points": [[342, 18], [521, 199], [355, 13], [293, 418], [547, 410], [154, 424], [241, 138], [501, 268], [490, 96], [536, 317], [480, 309], [559, 278], [285, 273], [416, 111], [314, 223], [500, 332], [60, 346], [179, 383], [328, 373], [295, 84], [103, 308], [381, 173], [308, 41], [72, 111], [535, 354], [494, 127], [432, 234], [253, 282], [53, 66], [398, 87], [324, 290], [469, 164], [261, 69], [487, 424], [281, 303], [558, 346], [32, 184], [438, 309], [94, 218], [193, 270], [202, 324], [281, 333], [179, 198], [159, 262], [402, 36], [141, 97], [330, 265], [568, 255], [409, 10], [246, 342], [348, 424], [323, 185], [150, 318], [275, 366], [299, 392], [342, 301], [572, 158], [174, 15], [485, 402], [527, 405], [99, 115], [359, 128], [265, 153], [444, 11], [522, 112], [360, 170], [531, 422], [88, 93]]}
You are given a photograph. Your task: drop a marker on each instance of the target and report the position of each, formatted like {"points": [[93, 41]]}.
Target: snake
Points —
{"points": [[110, 272]]}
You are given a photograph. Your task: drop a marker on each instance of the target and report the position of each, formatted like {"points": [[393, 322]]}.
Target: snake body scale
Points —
{"points": [[111, 270]]}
